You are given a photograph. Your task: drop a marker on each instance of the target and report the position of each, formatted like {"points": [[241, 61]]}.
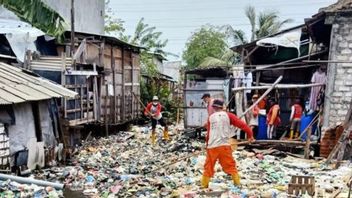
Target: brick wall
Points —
{"points": [[339, 86]]}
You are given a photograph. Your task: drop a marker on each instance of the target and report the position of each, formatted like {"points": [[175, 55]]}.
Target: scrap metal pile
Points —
{"points": [[127, 165]]}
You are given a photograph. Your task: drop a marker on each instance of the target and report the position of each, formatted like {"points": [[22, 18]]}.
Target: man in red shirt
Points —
{"points": [[153, 110], [273, 118], [217, 143], [209, 101], [295, 118]]}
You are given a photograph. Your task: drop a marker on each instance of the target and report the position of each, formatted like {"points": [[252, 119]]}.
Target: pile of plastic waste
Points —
{"points": [[127, 165]]}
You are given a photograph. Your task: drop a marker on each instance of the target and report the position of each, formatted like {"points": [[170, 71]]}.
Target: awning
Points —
{"points": [[17, 86]]}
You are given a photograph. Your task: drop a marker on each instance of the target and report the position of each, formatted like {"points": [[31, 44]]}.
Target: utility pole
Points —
{"points": [[72, 27]]}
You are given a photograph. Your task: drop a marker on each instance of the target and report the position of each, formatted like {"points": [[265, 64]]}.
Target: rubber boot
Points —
{"points": [[153, 137], [296, 134], [291, 134], [166, 135], [205, 181], [236, 179]]}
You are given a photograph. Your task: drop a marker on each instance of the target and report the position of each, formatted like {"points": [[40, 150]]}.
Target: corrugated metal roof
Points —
{"points": [[238, 48], [17, 86]]}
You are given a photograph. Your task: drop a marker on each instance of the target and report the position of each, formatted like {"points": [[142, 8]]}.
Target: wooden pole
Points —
{"points": [[72, 27], [123, 99], [95, 96], [326, 61], [132, 84], [106, 110], [140, 102], [114, 84], [306, 148], [288, 61], [286, 86]]}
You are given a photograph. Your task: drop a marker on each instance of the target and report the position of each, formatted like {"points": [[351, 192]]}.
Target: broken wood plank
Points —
{"points": [[81, 101]]}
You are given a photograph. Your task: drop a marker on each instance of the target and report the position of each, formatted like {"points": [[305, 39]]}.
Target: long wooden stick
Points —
{"points": [[140, 102]]}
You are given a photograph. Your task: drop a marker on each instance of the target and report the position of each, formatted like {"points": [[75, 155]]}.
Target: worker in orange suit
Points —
{"points": [[153, 110], [217, 143], [273, 118]]}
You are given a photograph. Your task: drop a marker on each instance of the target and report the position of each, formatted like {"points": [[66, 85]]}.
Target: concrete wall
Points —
{"points": [[172, 68], [89, 14], [339, 86]]}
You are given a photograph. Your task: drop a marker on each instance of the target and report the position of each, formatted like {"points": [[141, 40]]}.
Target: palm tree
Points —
{"points": [[146, 36], [265, 23], [251, 15]]}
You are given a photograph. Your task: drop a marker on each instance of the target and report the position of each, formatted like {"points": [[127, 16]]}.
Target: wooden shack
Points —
{"points": [[102, 69]]}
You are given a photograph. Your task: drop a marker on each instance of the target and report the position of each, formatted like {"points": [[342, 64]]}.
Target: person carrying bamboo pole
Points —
{"points": [[217, 143], [153, 109]]}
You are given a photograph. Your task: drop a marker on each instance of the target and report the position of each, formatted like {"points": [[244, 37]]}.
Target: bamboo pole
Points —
{"points": [[285, 86], [262, 96], [326, 61]]}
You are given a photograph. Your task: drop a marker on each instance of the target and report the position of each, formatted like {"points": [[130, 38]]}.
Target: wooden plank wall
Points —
{"points": [[122, 71], [114, 101]]}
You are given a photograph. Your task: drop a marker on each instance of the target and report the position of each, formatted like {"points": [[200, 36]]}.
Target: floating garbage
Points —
{"points": [[127, 165]]}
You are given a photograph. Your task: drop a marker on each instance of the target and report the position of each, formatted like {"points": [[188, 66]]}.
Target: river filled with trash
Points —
{"points": [[127, 165]]}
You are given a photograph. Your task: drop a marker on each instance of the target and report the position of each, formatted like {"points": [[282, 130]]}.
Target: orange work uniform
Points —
{"points": [[217, 140]]}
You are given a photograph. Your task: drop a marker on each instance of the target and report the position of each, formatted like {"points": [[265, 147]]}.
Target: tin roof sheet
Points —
{"points": [[17, 86]]}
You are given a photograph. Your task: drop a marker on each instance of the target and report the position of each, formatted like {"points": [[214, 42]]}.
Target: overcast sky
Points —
{"points": [[179, 18]]}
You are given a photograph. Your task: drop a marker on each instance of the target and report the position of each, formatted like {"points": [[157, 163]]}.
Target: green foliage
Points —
{"points": [[206, 42], [146, 36], [228, 59], [39, 15], [265, 23], [113, 26], [148, 65]]}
